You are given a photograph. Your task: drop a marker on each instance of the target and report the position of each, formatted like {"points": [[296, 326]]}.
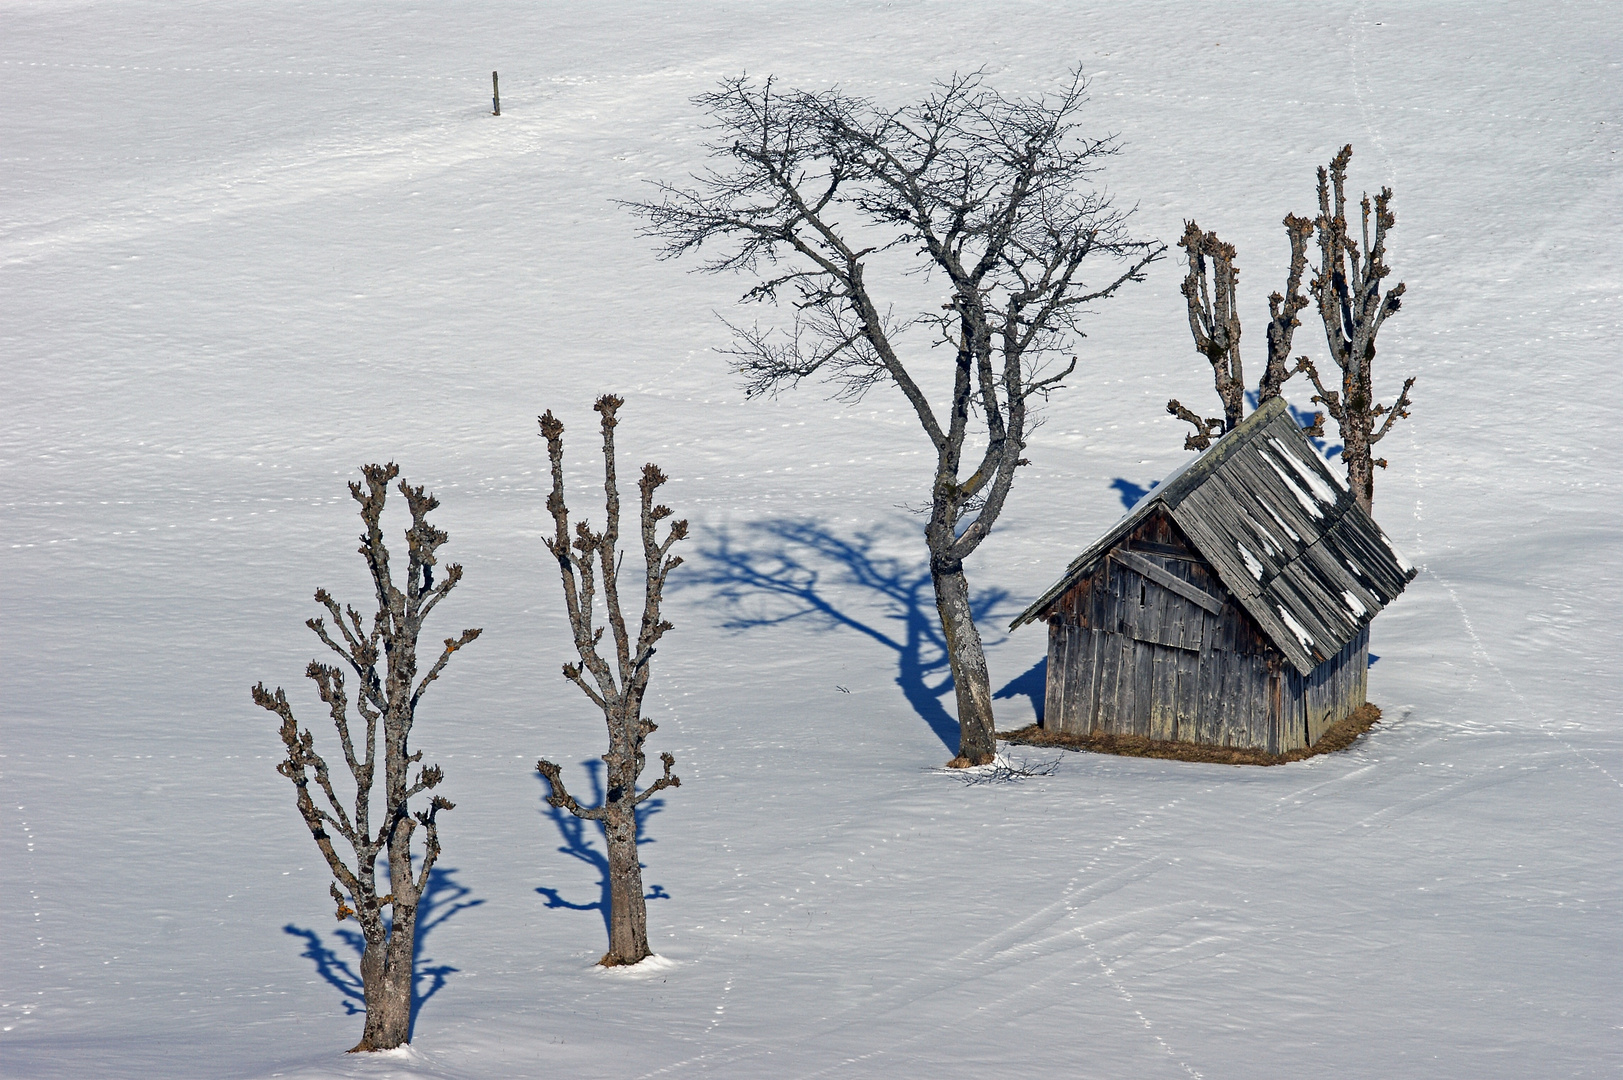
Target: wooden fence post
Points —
{"points": [[495, 96]]}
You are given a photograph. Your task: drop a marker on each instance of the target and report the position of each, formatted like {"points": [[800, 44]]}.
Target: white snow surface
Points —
{"points": [[247, 247]]}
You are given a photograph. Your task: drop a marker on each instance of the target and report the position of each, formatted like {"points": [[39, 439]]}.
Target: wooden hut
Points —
{"points": [[1230, 607]]}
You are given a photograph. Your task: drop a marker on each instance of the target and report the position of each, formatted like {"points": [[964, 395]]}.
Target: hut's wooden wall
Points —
{"points": [[1130, 656], [1336, 688]]}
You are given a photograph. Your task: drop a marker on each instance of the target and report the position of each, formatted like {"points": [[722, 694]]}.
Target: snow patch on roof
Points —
{"points": [[1363, 579], [1264, 535], [1251, 562], [1290, 532], [1354, 605], [1307, 473], [1406, 566], [1301, 496], [1295, 627]]}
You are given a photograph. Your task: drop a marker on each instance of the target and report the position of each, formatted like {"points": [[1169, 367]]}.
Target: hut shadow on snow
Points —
{"points": [[769, 573], [578, 843], [1033, 684], [443, 898]]}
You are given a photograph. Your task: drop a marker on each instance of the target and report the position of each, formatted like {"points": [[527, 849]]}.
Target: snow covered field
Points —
{"points": [[246, 247]]}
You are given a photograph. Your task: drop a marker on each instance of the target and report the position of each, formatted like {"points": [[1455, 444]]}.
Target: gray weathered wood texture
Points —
{"points": [[1230, 607]]}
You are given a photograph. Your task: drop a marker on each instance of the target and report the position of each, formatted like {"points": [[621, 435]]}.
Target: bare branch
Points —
{"points": [[994, 195], [560, 796], [451, 646], [1400, 409], [1205, 428], [666, 781], [619, 693]]}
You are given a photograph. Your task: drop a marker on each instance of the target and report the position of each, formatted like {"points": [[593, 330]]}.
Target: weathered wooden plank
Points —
{"points": [[1109, 711], [1143, 686], [1186, 693], [1139, 564], [1164, 693], [1057, 700], [1079, 680], [1236, 698], [1260, 722], [1126, 684], [1054, 689], [1059, 664], [1090, 676]]}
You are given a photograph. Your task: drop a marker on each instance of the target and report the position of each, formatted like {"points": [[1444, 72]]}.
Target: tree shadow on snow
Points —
{"points": [[1130, 492], [442, 898], [578, 835], [774, 572]]}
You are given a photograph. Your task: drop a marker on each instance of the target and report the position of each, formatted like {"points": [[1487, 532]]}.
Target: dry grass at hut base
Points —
{"points": [[1338, 736]]}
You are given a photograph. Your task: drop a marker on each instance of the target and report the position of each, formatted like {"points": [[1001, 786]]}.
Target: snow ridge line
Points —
{"points": [[231, 71]]}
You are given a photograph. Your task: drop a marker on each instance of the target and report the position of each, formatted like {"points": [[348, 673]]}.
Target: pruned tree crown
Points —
{"points": [[386, 702], [587, 561], [1353, 308]]}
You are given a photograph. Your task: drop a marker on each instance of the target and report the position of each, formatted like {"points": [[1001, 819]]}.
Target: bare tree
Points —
{"points": [[617, 690], [1214, 320], [1353, 307], [823, 194], [389, 698]]}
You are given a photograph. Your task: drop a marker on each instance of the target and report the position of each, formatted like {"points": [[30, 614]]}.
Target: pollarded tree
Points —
{"points": [[386, 702], [617, 690], [1214, 320], [1353, 307], [831, 201]]}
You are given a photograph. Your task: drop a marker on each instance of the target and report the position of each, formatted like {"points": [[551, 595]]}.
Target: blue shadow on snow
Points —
{"points": [[442, 898], [1130, 492], [774, 572], [577, 835], [1032, 683]]}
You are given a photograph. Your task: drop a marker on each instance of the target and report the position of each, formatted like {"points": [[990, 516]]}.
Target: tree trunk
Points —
{"points": [[388, 962], [977, 742], [1356, 452], [628, 911], [386, 968]]}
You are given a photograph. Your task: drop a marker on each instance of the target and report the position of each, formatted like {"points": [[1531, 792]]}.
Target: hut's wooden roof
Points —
{"points": [[1282, 532]]}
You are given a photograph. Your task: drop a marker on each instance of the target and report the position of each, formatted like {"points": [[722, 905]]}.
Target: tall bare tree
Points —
{"points": [[618, 689], [1214, 320], [386, 699], [1353, 307], [829, 199]]}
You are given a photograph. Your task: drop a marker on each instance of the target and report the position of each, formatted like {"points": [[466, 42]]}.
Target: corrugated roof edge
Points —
{"points": [[1169, 493]]}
